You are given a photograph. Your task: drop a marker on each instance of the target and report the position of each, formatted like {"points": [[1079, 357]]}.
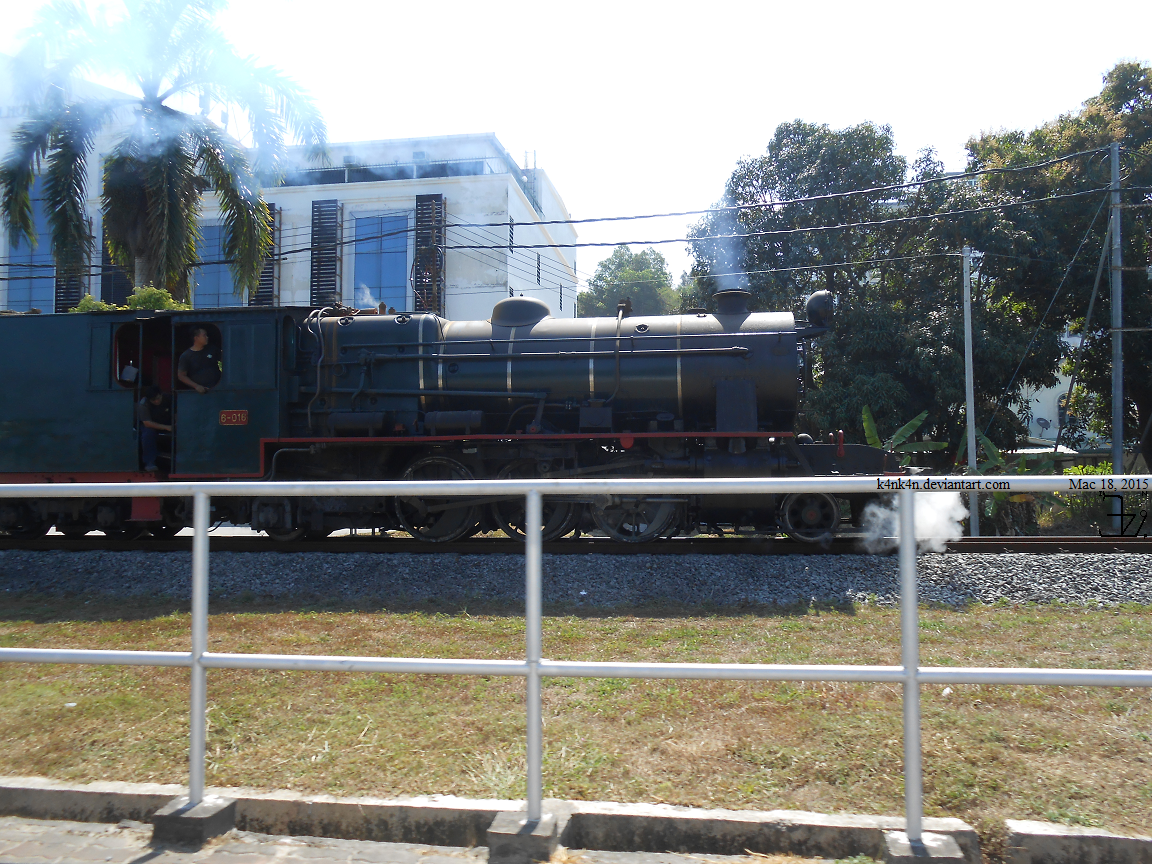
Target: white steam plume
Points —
{"points": [[938, 518]]}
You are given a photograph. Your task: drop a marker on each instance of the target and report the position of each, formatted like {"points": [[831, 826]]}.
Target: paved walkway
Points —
{"points": [[36, 841]]}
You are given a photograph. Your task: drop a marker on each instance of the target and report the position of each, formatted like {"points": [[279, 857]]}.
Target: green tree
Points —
{"points": [[1122, 112], [897, 340], [156, 175], [642, 277]]}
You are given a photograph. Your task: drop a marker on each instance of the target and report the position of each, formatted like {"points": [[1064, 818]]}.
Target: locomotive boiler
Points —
{"points": [[339, 394]]}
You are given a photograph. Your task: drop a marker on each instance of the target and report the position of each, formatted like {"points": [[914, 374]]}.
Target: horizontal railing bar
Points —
{"points": [[1038, 677], [1111, 484], [95, 658], [720, 671], [395, 665], [590, 669]]}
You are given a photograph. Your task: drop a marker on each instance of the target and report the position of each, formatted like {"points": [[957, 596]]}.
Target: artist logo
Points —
{"points": [[234, 417]]}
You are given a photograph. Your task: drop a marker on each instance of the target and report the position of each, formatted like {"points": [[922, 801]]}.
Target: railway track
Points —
{"points": [[583, 546]]}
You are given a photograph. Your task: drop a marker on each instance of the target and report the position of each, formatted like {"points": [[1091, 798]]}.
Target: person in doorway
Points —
{"points": [[154, 415], [199, 366]]}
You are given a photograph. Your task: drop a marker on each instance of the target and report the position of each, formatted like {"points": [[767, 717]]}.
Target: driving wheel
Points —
{"points": [[810, 517], [558, 517], [633, 520], [437, 520]]}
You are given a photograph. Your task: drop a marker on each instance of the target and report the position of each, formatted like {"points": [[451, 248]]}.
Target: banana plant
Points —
{"points": [[899, 442], [995, 463]]}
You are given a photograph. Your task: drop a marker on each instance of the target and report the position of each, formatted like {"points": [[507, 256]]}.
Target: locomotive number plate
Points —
{"points": [[236, 417]]}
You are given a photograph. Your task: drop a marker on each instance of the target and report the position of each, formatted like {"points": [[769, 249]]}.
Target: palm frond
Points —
{"points": [[66, 183], [247, 226], [165, 170], [173, 189], [301, 116], [62, 42], [277, 108], [31, 142], [123, 202]]}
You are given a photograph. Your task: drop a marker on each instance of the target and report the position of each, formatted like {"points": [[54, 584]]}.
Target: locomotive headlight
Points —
{"points": [[819, 309]]}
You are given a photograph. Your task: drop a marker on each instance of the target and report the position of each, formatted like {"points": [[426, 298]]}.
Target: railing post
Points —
{"points": [[533, 638], [910, 659], [198, 719]]}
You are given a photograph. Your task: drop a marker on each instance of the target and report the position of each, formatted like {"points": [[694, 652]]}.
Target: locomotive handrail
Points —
{"points": [[535, 666], [734, 351], [547, 340], [503, 394]]}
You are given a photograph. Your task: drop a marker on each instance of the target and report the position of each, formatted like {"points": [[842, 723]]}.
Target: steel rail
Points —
{"points": [[847, 544]]}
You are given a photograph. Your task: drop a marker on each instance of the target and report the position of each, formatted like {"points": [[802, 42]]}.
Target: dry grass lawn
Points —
{"points": [[1072, 755]]}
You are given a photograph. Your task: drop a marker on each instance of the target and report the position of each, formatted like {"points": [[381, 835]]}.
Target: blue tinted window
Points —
{"points": [[31, 272], [382, 261], [213, 280]]}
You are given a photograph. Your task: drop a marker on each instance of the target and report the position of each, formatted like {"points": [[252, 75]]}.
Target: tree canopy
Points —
{"points": [[894, 269], [1121, 112], [642, 277], [154, 179]]}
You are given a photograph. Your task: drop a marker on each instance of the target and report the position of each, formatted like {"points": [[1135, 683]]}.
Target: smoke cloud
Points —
{"points": [[938, 518]]}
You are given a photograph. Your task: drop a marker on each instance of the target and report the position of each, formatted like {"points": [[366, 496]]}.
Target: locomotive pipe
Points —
{"points": [[502, 394], [320, 342], [619, 322], [734, 351]]}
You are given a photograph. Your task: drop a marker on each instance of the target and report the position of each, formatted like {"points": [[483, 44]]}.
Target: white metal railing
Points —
{"points": [[534, 666]]}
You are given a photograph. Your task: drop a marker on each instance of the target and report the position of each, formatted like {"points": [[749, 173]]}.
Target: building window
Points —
{"points": [[214, 286], [32, 272], [382, 261]]}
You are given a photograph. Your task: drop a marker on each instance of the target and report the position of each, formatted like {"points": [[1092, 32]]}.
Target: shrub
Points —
{"points": [[144, 297]]}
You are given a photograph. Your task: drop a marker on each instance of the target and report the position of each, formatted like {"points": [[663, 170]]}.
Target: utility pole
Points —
{"points": [[970, 394], [1117, 335]]}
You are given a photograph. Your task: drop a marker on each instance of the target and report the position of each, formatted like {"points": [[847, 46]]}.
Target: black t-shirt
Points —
{"points": [[161, 413], [201, 366]]}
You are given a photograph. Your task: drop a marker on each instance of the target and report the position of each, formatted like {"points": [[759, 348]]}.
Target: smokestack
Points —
{"points": [[732, 301]]}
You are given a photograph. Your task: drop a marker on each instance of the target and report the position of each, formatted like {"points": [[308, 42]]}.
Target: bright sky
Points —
{"points": [[643, 107]]}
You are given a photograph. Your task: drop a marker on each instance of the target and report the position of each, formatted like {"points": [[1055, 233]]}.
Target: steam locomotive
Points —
{"points": [[337, 394]]}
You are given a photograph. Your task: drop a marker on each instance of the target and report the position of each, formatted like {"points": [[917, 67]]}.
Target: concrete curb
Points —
{"points": [[1046, 843], [664, 828], [445, 820]]}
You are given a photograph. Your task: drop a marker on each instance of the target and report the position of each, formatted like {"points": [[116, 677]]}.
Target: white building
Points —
{"points": [[443, 224], [1048, 408]]}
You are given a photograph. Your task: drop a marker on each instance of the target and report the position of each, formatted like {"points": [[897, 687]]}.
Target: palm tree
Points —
{"points": [[156, 175]]}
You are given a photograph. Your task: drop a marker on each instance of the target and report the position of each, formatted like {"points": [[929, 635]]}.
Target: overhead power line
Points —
{"points": [[1051, 303], [771, 233], [778, 232], [806, 200]]}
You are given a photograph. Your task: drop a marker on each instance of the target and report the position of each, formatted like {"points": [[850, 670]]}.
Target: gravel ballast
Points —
{"points": [[588, 580]]}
